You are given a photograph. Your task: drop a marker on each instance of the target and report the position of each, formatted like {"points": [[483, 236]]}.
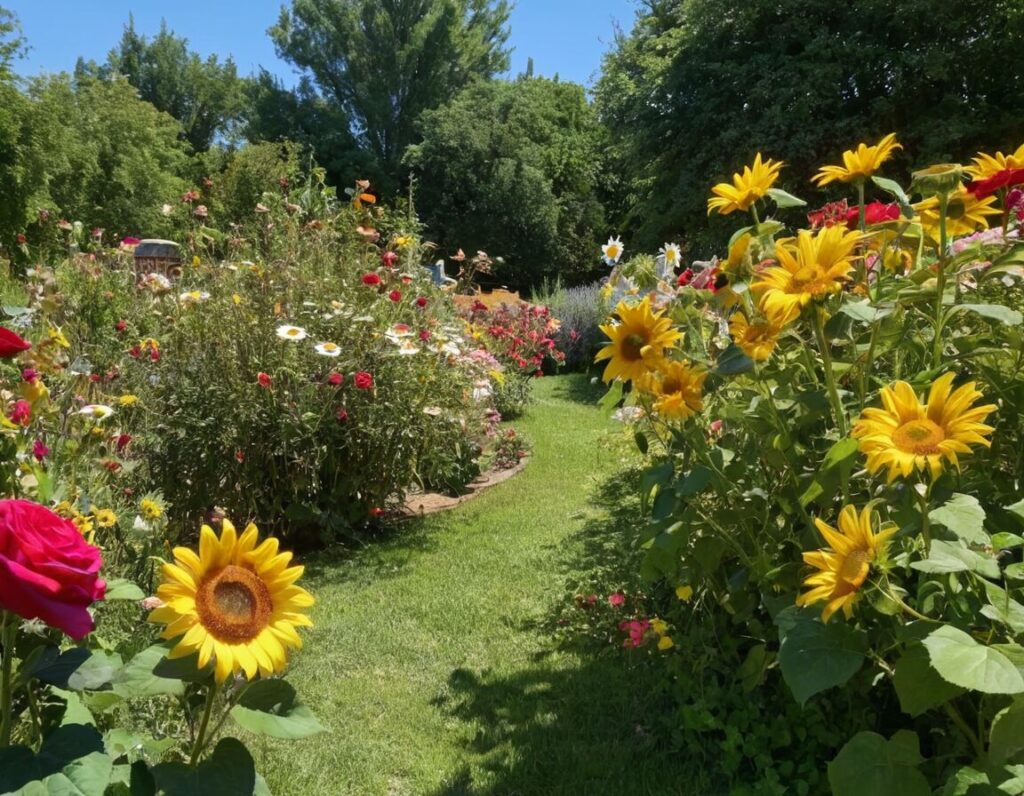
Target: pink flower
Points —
{"points": [[264, 380], [389, 259], [336, 379], [716, 426], [47, 570], [121, 325], [342, 416], [39, 450], [151, 603], [21, 412], [616, 600], [30, 375]]}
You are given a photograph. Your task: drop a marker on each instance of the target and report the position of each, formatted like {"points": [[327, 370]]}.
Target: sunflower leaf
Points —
{"points": [[121, 589], [964, 516], [268, 707], [1006, 738], [815, 656], [996, 312], [894, 188], [955, 557], [918, 686], [962, 661], [139, 679], [732, 361], [868, 763], [784, 199], [229, 771]]}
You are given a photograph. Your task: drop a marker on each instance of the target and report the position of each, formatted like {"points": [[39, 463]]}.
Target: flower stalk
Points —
{"points": [[204, 723], [830, 377], [8, 628]]}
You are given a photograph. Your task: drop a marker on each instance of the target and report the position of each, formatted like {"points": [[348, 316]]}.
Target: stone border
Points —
{"points": [[429, 503]]}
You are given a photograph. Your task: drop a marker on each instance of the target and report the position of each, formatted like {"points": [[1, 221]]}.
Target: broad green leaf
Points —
{"points": [[1014, 571], [641, 442], [138, 679], [996, 312], [918, 686], [892, 187], [695, 482], [869, 764], [840, 452], [815, 656], [1006, 541], [95, 671], [964, 516], [955, 557], [1006, 737], [961, 660], [55, 667], [611, 399], [784, 200], [121, 589], [297, 722], [229, 771], [1017, 508], [732, 361], [71, 760], [864, 312], [75, 711], [1003, 608]]}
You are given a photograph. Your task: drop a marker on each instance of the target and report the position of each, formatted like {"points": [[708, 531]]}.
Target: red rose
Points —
{"points": [[371, 280], [424, 335], [421, 302], [395, 295], [47, 570], [11, 344], [264, 380], [363, 380], [21, 239]]}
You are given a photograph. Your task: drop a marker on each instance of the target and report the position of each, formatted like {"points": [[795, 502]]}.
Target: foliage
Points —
{"points": [[384, 64], [513, 167], [580, 311], [795, 77], [813, 407]]}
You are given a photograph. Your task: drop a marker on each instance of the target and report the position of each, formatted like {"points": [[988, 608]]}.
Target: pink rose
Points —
{"points": [[47, 570]]}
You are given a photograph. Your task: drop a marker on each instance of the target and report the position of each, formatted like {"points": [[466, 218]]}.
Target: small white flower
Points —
{"points": [[406, 348], [291, 333], [166, 210], [328, 349], [613, 250], [36, 627], [433, 411], [628, 414], [158, 283], [97, 412], [194, 297], [668, 260]]}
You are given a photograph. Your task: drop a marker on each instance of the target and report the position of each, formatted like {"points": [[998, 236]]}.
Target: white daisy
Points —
{"points": [[97, 412], [328, 349], [291, 332], [668, 260], [613, 250]]}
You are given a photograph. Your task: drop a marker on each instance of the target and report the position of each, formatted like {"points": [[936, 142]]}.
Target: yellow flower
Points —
{"points": [[34, 391], [403, 240], [810, 267], [638, 336], [758, 339], [738, 260], [57, 336], [860, 163], [665, 643], [85, 527], [986, 166], [105, 518], [965, 213], [843, 569], [906, 434], [676, 386], [65, 509], [195, 261], [684, 592], [746, 188], [659, 626], [128, 400], [235, 603], [236, 299], [150, 509]]}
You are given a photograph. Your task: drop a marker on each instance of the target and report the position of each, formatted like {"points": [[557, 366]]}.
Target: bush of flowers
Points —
{"points": [[580, 311], [832, 411]]}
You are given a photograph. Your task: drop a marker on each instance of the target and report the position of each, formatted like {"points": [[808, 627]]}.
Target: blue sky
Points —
{"points": [[566, 37]]}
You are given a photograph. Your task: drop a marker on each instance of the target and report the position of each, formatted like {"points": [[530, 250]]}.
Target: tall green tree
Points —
{"points": [[384, 62], [17, 172], [513, 168], [206, 96], [700, 86]]}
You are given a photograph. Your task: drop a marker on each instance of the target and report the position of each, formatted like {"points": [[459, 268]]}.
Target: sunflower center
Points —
{"points": [[671, 385], [632, 347], [234, 604], [956, 209], [804, 277], [853, 566], [920, 437]]}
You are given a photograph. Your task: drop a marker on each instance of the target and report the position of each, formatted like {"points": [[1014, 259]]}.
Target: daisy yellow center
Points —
{"points": [[234, 604], [853, 564], [293, 332], [613, 251], [632, 347], [330, 347], [920, 437]]}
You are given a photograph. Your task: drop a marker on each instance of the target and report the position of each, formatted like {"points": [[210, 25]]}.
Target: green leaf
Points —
{"points": [[918, 686], [732, 361], [1014, 571], [268, 708], [229, 771], [955, 557], [95, 671], [695, 482], [55, 667], [869, 764], [1006, 737], [611, 399], [71, 762], [815, 656], [864, 312], [961, 660], [784, 200], [1017, 508], [892, 187], [121, 589], [964, 516], [996, 312], [641, 442], [1003, 608], [138, 678], [1006, 541], [840, 452]]}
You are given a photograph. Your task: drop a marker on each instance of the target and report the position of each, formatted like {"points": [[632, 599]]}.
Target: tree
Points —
{"points": [[513, 168], [700, 86], [384, 62], [18, 172], [206, 96]]}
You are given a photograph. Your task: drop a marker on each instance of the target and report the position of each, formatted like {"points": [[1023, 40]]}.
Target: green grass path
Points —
{"points": [[430, 662]]}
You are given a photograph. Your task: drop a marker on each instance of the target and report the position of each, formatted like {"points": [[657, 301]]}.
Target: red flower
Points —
{"points": [[122, 442], [95, 377], [425, 335], [21, 412], [376, 511], [874, 213], [30, 375], [120, 326], [363, 380], [39, 450], [684, 278], [616, 600], [47, 570], [11, 344], [336, 379], [239, 455], [421, 302], [999, 180], [829, 215], [154, 354], [395, 295], [264, 380], [21, 239], [112, 466], [371, 280], [342, 416], [389, 259]]}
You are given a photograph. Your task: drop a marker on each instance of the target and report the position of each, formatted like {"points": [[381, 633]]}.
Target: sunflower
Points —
{"points": [[842, 570], [758, 339], [859, 163], [811, 266], [965, 213], [737, 263], [640, 336], [906, 434], [986, 166], [747, 187], [677, 388], [235, 603]]}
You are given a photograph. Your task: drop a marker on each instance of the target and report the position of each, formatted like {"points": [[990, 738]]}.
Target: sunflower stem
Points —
{"points": [[8, 627], [940, 284], [972, 737], [200, 744], [926, 524], [830, 376]]}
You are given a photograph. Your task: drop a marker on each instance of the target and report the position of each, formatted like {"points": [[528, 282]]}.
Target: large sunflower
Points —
{"points": [[859, 163], [235, 603], [843, 569], [965, 213], [810, 267], [637, 339], [986, 166], [746, 188], [906, 434], [677, 388], [758, 339]]}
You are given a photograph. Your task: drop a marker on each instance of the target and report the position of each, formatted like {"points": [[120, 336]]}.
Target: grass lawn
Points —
{"points": [[431, 662]]}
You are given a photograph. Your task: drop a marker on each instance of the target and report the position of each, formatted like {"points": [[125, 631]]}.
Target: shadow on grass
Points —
{"points": [[579, 388], [579, 718]]}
